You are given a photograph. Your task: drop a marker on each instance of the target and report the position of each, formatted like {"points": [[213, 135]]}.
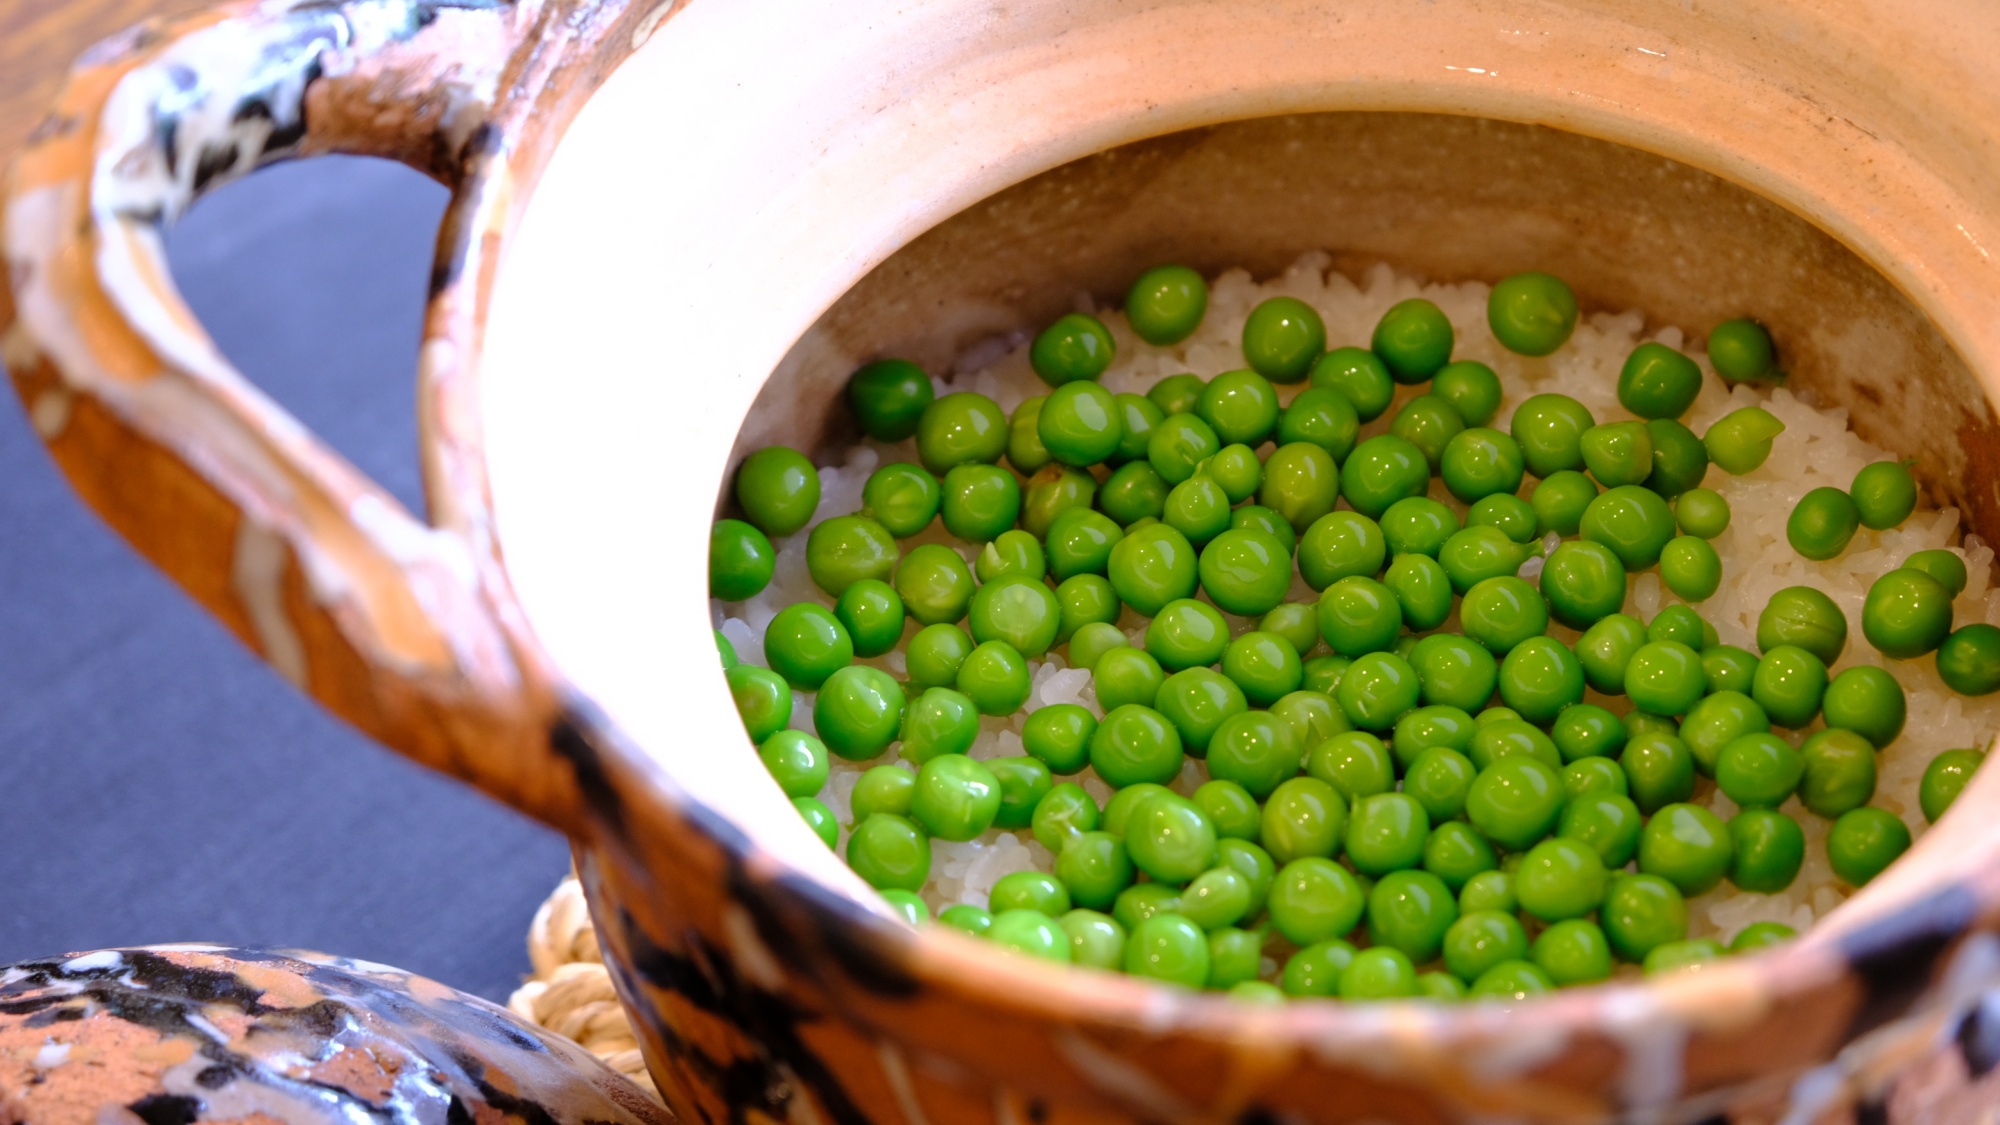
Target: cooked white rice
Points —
{"points": [[1816, 449]]}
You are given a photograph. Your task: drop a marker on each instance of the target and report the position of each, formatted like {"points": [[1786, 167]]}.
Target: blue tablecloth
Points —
{"points": [[157, 782]]}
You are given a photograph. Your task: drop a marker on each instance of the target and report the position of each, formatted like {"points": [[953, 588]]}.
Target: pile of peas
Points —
{"points": [[1372, 815]]}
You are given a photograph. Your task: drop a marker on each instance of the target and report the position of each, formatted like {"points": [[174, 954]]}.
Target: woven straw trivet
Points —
{"points": [[570, 991]]}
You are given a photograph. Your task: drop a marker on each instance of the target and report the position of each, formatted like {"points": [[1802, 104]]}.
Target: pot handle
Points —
{"points": [[408, 631]]}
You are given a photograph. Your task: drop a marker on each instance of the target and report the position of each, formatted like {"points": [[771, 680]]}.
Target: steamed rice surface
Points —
{"points": [[1816, 449]]}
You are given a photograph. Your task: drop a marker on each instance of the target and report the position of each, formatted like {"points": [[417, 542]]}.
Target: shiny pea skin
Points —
{"points": [[1377, 689], [1665, 678], [1316, 970], [1531, 313], [1245, 571], [1166, 303], [1076, 347], [1179, 443], [1488, 890], [1822, 523], [1314, 899], [1029, 890], [1236, 469], [1515, 801], [1422, 589], [1381, 471], [1474, 554], [1549, 429], [1658, 382], [1788, 685], [1314, 716], [1240, 406], [1410, 911], [1864, 842], [1197, 701], [1505, 735], [1606, 649], [1688, 846], [1231, 808], [1281, 339], [1095, 939], [1907, 614], [1025, 450], [1012, 552], [995, 677], [1718, 719], [1680, 460], [1587, 731], [937, 652], [1264, 665], [1085, 600], [1386, 832], [1414, 340], [1770, 850], [1454, 672], [1471, 388], [1217, 898], [1325, 418], [797, 762], [1339, 545], [1805, 618], [1152, 566], [1500, 613], [1300, 483], [888, 397], [1304, 818], [1360, 376], [1456, 853], [1065, 812], [1573, 952], [1584, 583], [805, 643], [1539, 678], [1482, 939], [1024, 781], [1868, 701], [1659, 770], [1440, 779], [1609, 823], [1177, 394], [858, 712], [938, 722], [1092, 864], [1969, 659], [778, 490], [1297, 622], [1137, 415], [1380, 972], [1741, 440], [1020, 611], [1560, 879], [1135, 744], [1642, 913], [1134, 492], [1505, 512], [1729, 668], [1234, 958], [1761, 935], [1884, 494], [1617, 453], [890, 853], [1741, 350], [1560, 500], [1355, 763], [741, 561], [1052, 493], [1840, 772], [980, 502], [1633, 521], [1943, 565], [1702, 513], [1429, 423], [1359, 615], [1418, 525], [961, 429], [1944, 779], [1186, 634], [967, 918], [1691, 568], [1170, 839], [1059, 736], [1254, 749], [1141, 901], [1759, 770], [846, 549]]}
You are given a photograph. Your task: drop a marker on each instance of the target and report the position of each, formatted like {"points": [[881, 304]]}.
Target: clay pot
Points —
{"points": [[762, 195]]}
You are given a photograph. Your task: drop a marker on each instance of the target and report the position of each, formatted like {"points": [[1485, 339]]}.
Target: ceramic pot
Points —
{"points": [[750, 198]]}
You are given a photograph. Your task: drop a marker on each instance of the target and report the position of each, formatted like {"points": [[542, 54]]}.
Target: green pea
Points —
{"points": [[1969, 660], [1094, 865], [1179, 443], [1481, 463], [1943, 565], [1095, 939], [1177, 394], [1011, 553], [1076, 347], [1256, 517], [1296, 622], [1430, 726], [1152, 566], [1236, 469], [858, 712], [1085, 600], [1741, 440], [1867, 701], [1729, 668], [1233, 811], [1944, 779], [1679, 623], [741, 561], [1884, 494], [1549, 429], [1254, 749], [1691, 568], [1381, 471], [1171, 839], [1560, 879], [1573, 952], [1789, 685], [1234, 958], [1633, 521], [1065, 813], [805, 643], [1169, 947], [846, 549], [1587, 731], [1500, 613], [1455, 852], [726, 652], [1472, 389], [1761, 935], [1608, 822], [1166, 303], [1488, 890], [1440, 780], [961, 429], [1414, 340], [1539, 678], [890, 853], [1502, 737], [883, 789], [1907, 614], [1029, 890], [1422, 590], [1303, 818], [1197, 701], [1134, 492], [1300, 483], [1240, 406], [1680, 460], [1638, 723], [1377, 689], [1515, 801], [1386, 832], [1511, 980], [1665, 678], [1864, 842], [1025, 450], [937, 652], [1410, 912], [1032, 933], [1506, 513], [1141, 901], [1341, 545], [1440, 987], [1187, 634], [1759, 770], [1429, 423], [1770, 849], [1323, 417], [1455, 672], [1018, 610], [1481, 939], [1702, 513], [967, 918], [1024, 782], [1474, 554], [1676, 956], [1314, 716], [1584, 583], [888, 397], [938, 722], [1531, 313], [1658, 382], [797, 762], [820, 819], [979, 502], [1314, 899], [1264, 665], [1316, 970], [1359, 615], [1617, 453], [1822, 523], [1606, 649], [1356, 764], [1720, 718], [778, 490], [1688, 846], [1134, 744], [1641, 913], [1659, 770], [995, 677], [1059, 736], [1053, 492], [1741, 350], [1245, 571], [1360, 377], [1839, 772], [1379, 973], [934, 584], [1251, 861], [1560, 500], [1282, 338]]}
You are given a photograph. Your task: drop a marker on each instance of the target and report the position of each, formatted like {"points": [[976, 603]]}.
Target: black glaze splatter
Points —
{"points": [[1894, 957]]}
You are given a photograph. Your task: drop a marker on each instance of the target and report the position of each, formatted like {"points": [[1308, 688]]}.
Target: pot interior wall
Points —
{"points": [[1448, 198]]}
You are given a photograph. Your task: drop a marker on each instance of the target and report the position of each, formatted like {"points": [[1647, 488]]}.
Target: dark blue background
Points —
{"points": [[157, 782]]}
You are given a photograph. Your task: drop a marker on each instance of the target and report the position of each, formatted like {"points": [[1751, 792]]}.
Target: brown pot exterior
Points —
{"points": [[760, 994]]}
